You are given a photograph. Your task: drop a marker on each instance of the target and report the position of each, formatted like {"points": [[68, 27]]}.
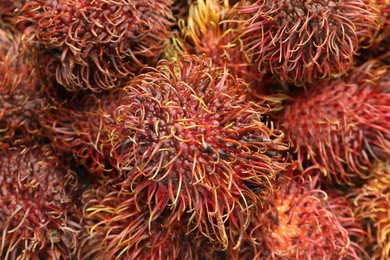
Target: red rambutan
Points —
{"points": [[372, 207], [341, 126], [97, 44], [304, 41], [81, 126], [20, 101], [301, 221], [37, 215], [187, 136], [117, 228]]}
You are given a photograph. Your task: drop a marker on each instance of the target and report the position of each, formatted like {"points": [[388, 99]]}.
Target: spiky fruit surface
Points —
{"points": [[207, 31], [187, 136], [97, 44], [20, 101], [118, 228], [341, 126], [304, 41], [81, 126], [37, 215], [301, 221], [372, 207]]}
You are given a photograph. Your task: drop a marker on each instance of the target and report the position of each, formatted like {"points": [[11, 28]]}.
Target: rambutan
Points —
{"points": [[372, 207], [97, 44], [187, 137], [341, 126], [117, 228], [207, 31], [81, 126], [20, 101], [304, 41], [301, 221], [37, 215]]}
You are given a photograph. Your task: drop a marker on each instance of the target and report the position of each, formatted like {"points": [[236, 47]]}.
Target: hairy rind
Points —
{"points": [[97, 45], [188, 138], [38, 217], [303, 42], [341, 126], [372, 207], [301, 221]]}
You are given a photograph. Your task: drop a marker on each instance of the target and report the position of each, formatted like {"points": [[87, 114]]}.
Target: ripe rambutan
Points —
{"points": [[207, 31], [20, 101], [372, 207], [81, 126], [117, 228], [187, 137], [37, 215], [97, 44], [341, 126], [301, 221], [304, 41]]}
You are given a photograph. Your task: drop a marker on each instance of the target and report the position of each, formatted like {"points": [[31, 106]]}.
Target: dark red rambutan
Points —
{"points": [[341, 126], [372, 207], [20, 101], [301, 221], [304, 41], [117, 228], [97, 44], [37, 215], [207, 31], [187, 137], [81, 126]]}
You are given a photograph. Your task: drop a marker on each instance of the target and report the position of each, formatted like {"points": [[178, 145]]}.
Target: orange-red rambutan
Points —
{"points": [[20, 101], [342, 126], [372, 207], [301, 221], [81, 126], [96, 44], [304, 41], [117, 228], [187, 136], [38, 219]]}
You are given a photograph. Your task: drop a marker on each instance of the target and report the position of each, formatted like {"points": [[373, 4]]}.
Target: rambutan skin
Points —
{"points": [[97, 44], [187, 136], [81, 126], [341, 126], [37, 215], [301, 221], [372, 207], [119, 228], [20, 99], [302, 42]]}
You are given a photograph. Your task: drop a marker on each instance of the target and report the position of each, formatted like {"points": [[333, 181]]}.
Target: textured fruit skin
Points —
{"points": [[301, 221], [372, 207], [116, 227], [188, 138], [20, 99], [81, 126], [97, 44], [302, 42], [341, 126], [37, 216]]}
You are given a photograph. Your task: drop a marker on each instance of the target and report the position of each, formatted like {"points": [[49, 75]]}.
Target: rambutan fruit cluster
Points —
{"points": [[372, 207], [301, 221], [20, 100], [97, 44], [188, 138], [342, 125], [37, 215], [302, 42]]}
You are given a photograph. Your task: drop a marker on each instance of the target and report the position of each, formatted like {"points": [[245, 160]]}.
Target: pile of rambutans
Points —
{"points": [[195, 129]]}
